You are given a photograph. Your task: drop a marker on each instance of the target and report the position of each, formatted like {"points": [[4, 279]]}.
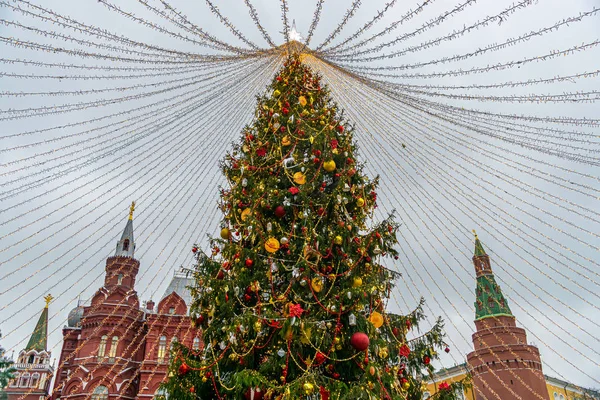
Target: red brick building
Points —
{"points": [[503, 365], [116, 349]]}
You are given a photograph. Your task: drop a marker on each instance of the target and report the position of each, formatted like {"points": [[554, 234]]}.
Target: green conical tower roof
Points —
{"points": [[479, 251], [39, 338], [490, 302]]}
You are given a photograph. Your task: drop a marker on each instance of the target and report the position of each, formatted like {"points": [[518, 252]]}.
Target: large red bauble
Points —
{"points": [[279, 211], [254, 393], [360, 341], [184, 369]]}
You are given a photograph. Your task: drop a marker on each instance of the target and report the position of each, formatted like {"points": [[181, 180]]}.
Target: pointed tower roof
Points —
{"points": [[126, 246], [39, 338], [490, 302], [479, 250]]}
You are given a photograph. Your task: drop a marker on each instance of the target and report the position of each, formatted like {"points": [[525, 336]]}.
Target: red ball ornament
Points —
{"points": [[279, 211], [249, 263], [360, 341], [254, 393], [194, 249], [192, 389], [426, 360], [447, 349], [183, 369]]}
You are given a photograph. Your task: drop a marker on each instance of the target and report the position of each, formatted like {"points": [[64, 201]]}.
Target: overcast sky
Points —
{"points": [[531, 209]]}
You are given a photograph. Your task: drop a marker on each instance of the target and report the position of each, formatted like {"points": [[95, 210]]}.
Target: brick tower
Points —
{"points": [[503, 365], [33, 369], [103, 351]]}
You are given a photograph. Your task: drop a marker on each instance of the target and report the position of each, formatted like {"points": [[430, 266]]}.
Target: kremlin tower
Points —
{"points": [[33, 370], [503, 365]]}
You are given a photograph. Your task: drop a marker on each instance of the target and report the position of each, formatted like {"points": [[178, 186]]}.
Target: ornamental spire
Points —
{"points": [[479, 250], [490, 301], [126, 246], [131, 210], [39, 338]]}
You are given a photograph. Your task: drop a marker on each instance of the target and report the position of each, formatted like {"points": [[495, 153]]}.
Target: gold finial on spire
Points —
{"points": [[48, 299], [475, 233], [131, 210]]}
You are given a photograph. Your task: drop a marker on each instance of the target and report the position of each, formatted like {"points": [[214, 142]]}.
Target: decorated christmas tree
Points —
{"points": [[292, 300]]}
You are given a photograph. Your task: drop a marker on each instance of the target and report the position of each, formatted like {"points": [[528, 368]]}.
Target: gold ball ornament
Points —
{"points": [[338, 240], [329, 166], [286, 141], [225, 233], [276, 93], [299, 178], [246, 213], [357, 282], [309, 388], [360, 202], [317, 285], [376, 319], [302, 101], [406, 385], [257, 326], [272, 245]]}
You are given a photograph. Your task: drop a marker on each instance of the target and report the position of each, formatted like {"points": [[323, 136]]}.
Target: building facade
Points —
{"points": [[33, 370], [116, 349], [502, 364]]}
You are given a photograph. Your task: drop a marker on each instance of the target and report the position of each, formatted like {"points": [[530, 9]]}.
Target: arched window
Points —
{"points": [[31, 359], [102, 347], [426, 395], [161, 394], [35, 379], [196, 344], [113, 349], [120, 279], [126, 245], [15, 381], [555, 396], [162, 348], [24, 382], [561, 397], [100, 393]]}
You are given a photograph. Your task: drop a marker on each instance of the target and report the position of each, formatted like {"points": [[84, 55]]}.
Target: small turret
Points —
{"points": [[490, 300], [39, 338], [126, 246]]}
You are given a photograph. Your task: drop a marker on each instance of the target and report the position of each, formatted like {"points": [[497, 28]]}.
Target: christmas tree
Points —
{"points": [[292, 299]]}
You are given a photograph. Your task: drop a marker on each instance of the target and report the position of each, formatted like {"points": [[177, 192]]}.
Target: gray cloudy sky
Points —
{"points": [[63, 210]]}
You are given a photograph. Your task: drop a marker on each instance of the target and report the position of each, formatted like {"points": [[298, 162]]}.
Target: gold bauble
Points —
{"points": [[246, 213], [360, 202], [272, 245], [338, 240], [376, 319], [357, 282], [329, 166], [299, 178], [406, 385], [337, 340], [316, 284], [302, 100], [309, 388], [225, 233], [276, 93], [286, 141]]}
